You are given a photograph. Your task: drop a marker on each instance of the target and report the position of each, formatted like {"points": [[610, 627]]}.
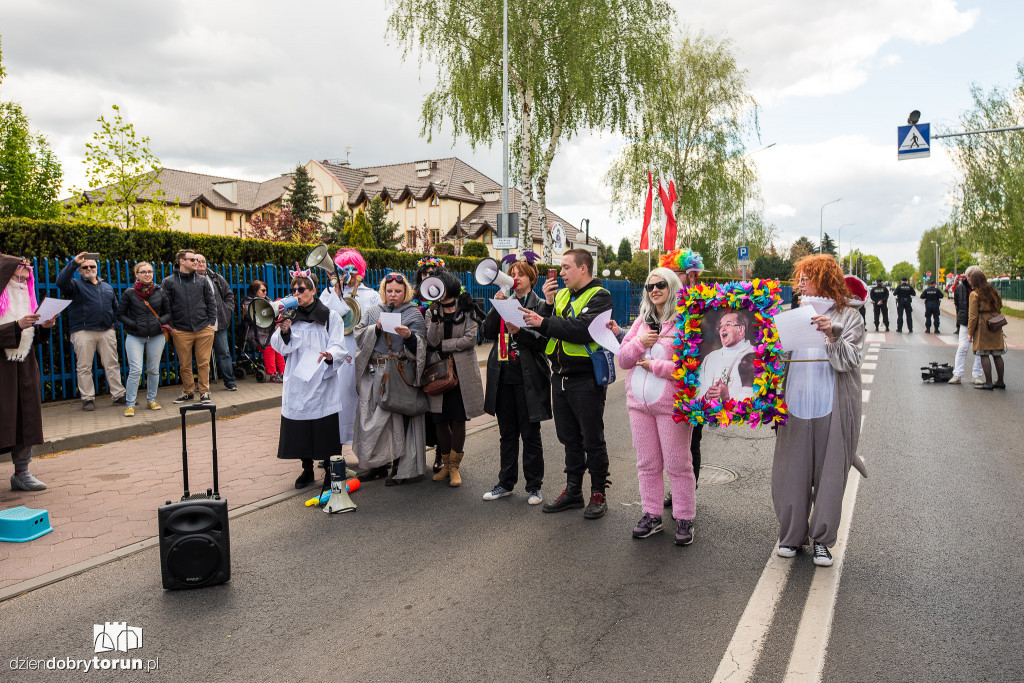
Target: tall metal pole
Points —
{"points": [[743, 212], [821, 221], [504, 121]]}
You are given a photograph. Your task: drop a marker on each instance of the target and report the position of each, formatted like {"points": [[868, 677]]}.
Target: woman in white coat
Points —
{"points": [[313, 344]]}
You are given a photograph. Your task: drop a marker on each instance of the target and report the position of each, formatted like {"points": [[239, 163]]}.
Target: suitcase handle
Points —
{"points": [[184, 450]]}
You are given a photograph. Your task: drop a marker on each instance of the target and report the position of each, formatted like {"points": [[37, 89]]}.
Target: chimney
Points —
{"points": [[228, 189]]}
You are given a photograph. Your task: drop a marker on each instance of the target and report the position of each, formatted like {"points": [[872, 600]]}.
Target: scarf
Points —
{"points": [[143, 291], [18, 307]]}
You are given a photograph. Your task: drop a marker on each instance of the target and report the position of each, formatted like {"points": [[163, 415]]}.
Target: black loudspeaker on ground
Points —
{"points": [[194, 542]]}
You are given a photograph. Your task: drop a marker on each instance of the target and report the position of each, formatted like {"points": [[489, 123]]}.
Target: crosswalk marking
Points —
{"points": [[869, 366], [865, 395], [867, 379]]}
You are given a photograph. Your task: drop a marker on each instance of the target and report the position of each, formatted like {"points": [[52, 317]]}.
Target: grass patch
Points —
{"points": [[1013, 312]]}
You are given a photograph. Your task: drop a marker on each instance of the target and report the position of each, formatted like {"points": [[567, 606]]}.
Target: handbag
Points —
{"points": [[167, 335], [996, 322], [603, 361], [439, 377], [397, 395]]}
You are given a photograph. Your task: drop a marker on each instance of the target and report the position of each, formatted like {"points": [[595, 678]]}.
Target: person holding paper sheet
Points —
{"points": [[21, 413], [816, 447], [661, 444], [518, 390], [310, 407]]}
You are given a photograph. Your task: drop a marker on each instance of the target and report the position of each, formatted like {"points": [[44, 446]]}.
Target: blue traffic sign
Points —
{"points": [[743, 253], [913, 142]]}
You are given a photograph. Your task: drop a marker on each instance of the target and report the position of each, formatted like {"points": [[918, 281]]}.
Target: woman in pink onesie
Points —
{"points": [[661, 443]]}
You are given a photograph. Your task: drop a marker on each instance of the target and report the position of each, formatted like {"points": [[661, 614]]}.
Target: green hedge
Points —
{"points": [[49, 239]]}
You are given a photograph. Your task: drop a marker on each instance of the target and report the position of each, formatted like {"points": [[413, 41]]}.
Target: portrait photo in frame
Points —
{"points": [[729, 364]]}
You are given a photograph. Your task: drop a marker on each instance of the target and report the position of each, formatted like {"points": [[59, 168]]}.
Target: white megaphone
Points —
{"points": [[431, 289], [265, 313], [320, 258], [488, 272], [339, 500]]}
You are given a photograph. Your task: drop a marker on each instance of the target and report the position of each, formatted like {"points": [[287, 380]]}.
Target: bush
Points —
{"points": [[444, 249], [475, 249]]}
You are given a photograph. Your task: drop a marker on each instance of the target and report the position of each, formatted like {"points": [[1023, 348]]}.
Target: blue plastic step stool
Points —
{"points": [[22, 524]]}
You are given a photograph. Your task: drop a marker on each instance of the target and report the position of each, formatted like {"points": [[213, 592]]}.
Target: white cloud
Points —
{"points": [[780, 211]]}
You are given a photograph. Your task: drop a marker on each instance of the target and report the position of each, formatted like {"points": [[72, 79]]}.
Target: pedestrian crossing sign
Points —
{"points": [[913, 142]]}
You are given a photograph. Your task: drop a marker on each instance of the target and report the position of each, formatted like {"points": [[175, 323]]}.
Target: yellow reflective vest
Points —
{"points": [[576, 307]]}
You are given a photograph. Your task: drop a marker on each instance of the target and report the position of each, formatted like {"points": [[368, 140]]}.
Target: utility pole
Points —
{"points": [[504, 126]]}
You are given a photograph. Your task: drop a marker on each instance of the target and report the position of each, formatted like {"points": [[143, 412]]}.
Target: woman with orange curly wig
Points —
{"points": [[816, 447]]}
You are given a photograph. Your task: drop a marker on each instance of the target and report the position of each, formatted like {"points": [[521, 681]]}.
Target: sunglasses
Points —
{"points": [[299, 290], [651, 286], [394, 277], [87, 267]]}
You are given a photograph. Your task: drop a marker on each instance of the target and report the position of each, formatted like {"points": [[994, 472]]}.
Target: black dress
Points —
{"points": [[452, 408]]}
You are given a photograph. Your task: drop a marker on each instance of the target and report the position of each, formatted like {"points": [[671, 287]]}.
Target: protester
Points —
{"points": [[21, 413], [91, 317], [193, 314], [259, 337], [349, 284], [932, 296], [720, 369], [310, 403], [577, 399], [518, 390], [661, 444], [880, 301], [426, 267], [961, 302], [382, 437], [905, 294], [225, 301], [451, 324], [817, 445], [986, 303], [144, 314]]}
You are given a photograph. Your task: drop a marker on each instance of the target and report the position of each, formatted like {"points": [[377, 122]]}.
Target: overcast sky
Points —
{"points": [[250, 89]]}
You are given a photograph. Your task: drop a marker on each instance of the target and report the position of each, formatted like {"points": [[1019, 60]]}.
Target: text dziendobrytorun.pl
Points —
{"points": [[85, 665]]}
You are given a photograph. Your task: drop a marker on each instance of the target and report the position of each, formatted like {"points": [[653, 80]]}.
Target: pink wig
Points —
{"points": [[5, 299], [351, 257]]}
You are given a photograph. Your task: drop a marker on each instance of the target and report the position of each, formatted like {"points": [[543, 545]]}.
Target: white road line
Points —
{"points": [[867, 379], [871, 357], [869, 366], [865, 395], [808, 658], [741, 656], [874, 337]]}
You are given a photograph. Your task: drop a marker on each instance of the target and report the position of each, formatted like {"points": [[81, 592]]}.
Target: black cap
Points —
{"points": [[903, 279]]}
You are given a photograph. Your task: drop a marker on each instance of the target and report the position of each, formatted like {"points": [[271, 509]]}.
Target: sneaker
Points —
{"points": [[786, 551], [597, 505], [978, 380], [153, 405], [205, 398], [684, 531], [230, 387], [565, 501], [89, 405], [24, 481], [129, 411], [184, 398], [647, 526], [121, 401], [536, 497], [496, 493], [822, 557], [983, 385], [956, 380], [305, 479]]}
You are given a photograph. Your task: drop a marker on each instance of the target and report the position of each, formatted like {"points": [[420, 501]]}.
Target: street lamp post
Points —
{"points": [[938, 251], [839, 243], [743, 210], [821, 220]]}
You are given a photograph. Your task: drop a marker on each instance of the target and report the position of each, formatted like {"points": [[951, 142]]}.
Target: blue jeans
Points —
{"points": [[222, 355], [134, 347]]}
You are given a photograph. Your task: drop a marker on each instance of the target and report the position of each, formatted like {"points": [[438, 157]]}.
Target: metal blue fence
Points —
{"points": [[56, 359]]}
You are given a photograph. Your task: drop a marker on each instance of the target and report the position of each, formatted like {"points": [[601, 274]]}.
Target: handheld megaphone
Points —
{"points": [[339, 500], [488, 272], [432, 289], [265, 313], [320, 258]]}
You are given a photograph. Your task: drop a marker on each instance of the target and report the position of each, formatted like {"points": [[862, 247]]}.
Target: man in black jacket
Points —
{"points": [[577, 399], [225, 307], [905, 294], [932, 295], [880, 299], [193, 314]]}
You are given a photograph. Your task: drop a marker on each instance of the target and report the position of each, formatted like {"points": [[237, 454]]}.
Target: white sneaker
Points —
{"points": [[24, 481], [955, 380], [978, 380], [822, 557], [496, 493], [786, 551], [536, 497]]}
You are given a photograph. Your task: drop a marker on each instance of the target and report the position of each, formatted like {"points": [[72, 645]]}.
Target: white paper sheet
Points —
{"points": [[50, 307], [508, 309], [309, 367], [820, 307], [796, 331], [600, 333], [389, 321]]}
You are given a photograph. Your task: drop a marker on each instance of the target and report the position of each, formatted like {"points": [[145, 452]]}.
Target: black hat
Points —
{"points": [[878, 280], [903, 279]]}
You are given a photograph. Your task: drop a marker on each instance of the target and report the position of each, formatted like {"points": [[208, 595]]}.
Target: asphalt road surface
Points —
{"points": [[429, 582]]}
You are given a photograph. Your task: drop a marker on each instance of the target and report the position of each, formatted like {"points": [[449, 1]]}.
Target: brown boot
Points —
{"points": [[442, 474], [454, 461]]}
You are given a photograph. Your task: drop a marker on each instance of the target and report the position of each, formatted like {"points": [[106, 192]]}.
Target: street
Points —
{"points": [[429, 582]]}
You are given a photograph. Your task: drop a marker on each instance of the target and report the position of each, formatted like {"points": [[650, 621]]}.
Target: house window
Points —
{"points": [[366, 205], [410, 238], [328, 204], [388, 204], [434, 201], [199, 210], [486, 237], [435, 236], [410, 203], [229, 216]]}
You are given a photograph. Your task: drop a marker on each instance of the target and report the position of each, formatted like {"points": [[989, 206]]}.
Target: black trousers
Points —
{"points": [[901, 309], [884, 309], [931, 318], [577, 402], [695, 436], [513, 415]]}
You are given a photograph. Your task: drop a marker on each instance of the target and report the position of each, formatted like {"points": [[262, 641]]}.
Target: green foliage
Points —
{"points": [[301, 197], [64, 239], [384, 232], [625, 251], [358, 233], [774, 267], [605, 253], [444, 249], [334, 233], [828, 245], [868, 267], [802, 247], [124, 176], [475, 249], [901, 270]]}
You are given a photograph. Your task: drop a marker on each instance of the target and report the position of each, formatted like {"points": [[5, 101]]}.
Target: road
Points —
{"points": [[429, 582]]}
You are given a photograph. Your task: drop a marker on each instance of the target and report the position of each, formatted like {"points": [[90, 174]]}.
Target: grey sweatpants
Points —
{"points": [[810, 469]]}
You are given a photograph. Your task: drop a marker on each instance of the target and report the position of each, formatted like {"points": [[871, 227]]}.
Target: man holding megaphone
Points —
{"points": [[577, 399]]}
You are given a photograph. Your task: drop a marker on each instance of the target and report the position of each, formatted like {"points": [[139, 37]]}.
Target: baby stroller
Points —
{"points": [[250, 356]]}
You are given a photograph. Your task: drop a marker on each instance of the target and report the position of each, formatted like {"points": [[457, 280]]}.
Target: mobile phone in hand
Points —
{"points": [[552, 274], [91, 256]]}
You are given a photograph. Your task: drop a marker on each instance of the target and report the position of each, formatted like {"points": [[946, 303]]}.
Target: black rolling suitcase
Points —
{"points": [[194, 545]]}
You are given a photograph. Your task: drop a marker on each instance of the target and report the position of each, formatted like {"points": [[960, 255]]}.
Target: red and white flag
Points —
{"points": [[645, 244], [667, 201]]}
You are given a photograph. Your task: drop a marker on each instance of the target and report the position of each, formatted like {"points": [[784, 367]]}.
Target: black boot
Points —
{"points": [[373, 473], [571, 497], [307, 476], [598, 504], [390, 479]]}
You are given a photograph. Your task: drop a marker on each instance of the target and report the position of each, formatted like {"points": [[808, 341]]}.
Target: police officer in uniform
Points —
{"points": [[880, 299], [932, 295], [905, 294]]}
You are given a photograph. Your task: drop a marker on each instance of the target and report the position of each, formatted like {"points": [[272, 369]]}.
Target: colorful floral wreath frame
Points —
{"points": [[768, 406]]}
